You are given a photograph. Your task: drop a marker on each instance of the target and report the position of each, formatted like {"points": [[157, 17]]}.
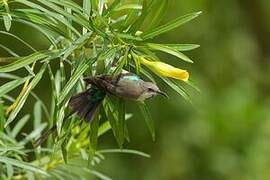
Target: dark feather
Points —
{"points": [[85, 104]]}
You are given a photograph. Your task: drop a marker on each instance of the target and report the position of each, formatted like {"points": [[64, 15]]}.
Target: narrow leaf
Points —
{"points": [[10, 171], [128, 151], [104, 127], [158, 8], [170, 25], [22, 165], [128, 6], [93, 136], [72, 81], [121, 120], [22, 100], [34, 134], [4, 89], [182, 47], [2, 116], [169, 50], [148, 119], [7, 21], [19, 125], [87, 6], [112, 115], [25, 61], [37, 115], [176, 87], [98, 174], [64, 150]]}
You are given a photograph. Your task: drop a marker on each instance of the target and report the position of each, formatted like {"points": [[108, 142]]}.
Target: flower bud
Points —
{"points": [[166, 70]]}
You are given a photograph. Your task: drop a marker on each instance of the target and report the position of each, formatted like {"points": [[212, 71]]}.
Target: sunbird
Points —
{"points": [[125, 86]]}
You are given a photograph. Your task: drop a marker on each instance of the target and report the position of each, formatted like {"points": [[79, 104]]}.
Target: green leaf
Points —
{"points": [[169, 50], [30, 176], [46, 31], [77, 44], [148, 119], [121, 120], [19, 39], [6, 17], [122, 62], [138, 22], [43, 106], [2, 116], [129, 37], [148, 75], [10, 171], [193, 85], [62, 72], [98, 174], [104, 127], [170, 25], [64, 150], [37, 115], [72, 81], [176, 87], [22, 100], [158, 8], [60, 11], [60, 19], [87, 6], [8, 59], [8, 76], [130, 18], [7, 21], [80, 19], [23, 165], [128, 151], [60, 115], [69, 4], [25, 61], [137, 63], [100, 6], [182, 47], [4, 89], [126, 133], [94, 125], [34, 134], [19, 125], [111, 110], [128, 6], [112, 6]]}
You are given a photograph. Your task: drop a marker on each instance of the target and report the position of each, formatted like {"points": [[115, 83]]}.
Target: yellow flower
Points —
{"points": [[166, 70]]}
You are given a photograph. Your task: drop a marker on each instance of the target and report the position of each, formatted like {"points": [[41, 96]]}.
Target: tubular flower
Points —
{"points": [[166, 70]]}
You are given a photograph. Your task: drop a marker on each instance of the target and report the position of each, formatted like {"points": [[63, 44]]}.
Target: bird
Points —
{"points": [[127, 86]]}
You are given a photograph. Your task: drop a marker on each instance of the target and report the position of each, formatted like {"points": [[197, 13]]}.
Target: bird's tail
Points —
{"points": [[83, 104]]}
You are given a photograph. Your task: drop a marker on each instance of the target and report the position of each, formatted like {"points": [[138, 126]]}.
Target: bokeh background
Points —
{"points": [[225, 133]]}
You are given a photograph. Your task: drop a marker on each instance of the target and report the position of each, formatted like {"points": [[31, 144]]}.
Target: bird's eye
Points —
{"points": [[150, 89]]}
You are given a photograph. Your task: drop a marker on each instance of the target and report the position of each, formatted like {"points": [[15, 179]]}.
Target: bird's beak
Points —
{"points": [[163, 94]]}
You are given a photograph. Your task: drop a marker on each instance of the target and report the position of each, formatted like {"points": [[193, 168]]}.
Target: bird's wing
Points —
{"points": [[103, 82], [125, 85]]}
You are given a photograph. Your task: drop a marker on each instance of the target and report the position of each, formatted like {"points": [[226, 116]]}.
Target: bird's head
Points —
{"points": [[149, 90]]}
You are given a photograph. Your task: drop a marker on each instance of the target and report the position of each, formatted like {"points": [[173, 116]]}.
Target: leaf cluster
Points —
{"points": [[87, 39]]}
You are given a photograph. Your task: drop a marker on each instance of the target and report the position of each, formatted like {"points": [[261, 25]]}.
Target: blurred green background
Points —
{"points": [[225, 133]]}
